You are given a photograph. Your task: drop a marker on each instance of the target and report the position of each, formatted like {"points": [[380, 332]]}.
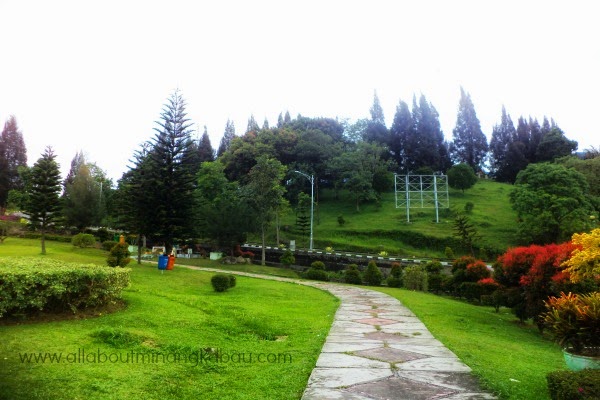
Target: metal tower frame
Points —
{"points": [[427, 191]]}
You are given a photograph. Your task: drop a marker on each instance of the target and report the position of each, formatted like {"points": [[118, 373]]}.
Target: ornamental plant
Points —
{"points": [[373, 275], [585, 260], [574, 321]]}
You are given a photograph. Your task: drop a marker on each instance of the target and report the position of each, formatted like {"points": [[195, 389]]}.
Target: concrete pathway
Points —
{"points": [[377, 349]]}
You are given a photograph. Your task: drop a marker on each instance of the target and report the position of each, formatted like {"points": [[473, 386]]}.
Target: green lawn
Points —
{"points": [[492, 215], [509, 358], [176, 314]]}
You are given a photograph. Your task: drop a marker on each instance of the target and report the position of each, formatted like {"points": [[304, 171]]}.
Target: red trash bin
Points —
{"points": [[171, 262]]}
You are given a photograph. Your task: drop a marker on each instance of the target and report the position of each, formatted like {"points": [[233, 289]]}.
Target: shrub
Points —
{"points": [[119, 255], [477, 271], [415, 278], [31, 284], [103, 235], [83, 240], [287, 258], [220, 282], [316, 274], [395, 278], [232, 280], [352, 275], [449, 253], [341, 220], [571, 385], [318, 265], [108, 244], [469, 207], [373, 275]]}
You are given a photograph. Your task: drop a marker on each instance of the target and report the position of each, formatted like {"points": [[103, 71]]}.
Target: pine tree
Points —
{"points": [[265, 124], [287, 119], [426, 148], [376, 130], [280, 121], [44, 204], [13, 154], [401, 131], [469, 144], [228, 136], [81, 199], [171, 173], [205, 149], [252, 125], [502, 137]]}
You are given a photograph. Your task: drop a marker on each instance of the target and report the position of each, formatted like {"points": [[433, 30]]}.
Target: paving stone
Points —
{"points": [[343, 377], [436, 350], [463, 381], [337, 347], [341, 360], [377, 321], [331, 394], [388, 337], [435, 364], [390, 355], [400, 388]]}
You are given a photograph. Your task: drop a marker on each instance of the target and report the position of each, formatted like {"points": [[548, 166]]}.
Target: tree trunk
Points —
{"points": [[139, 252], [263, 256]]}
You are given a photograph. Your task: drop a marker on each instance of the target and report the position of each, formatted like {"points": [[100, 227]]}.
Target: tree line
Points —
{"points": [[179, 188]]}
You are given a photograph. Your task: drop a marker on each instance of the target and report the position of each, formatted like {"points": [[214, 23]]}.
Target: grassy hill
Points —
{"points": [[382, 226]]}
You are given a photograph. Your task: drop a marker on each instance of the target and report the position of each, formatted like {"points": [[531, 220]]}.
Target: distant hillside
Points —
{"points": [[383, 227]]}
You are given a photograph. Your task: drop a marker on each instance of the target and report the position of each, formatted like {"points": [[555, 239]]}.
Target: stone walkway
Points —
{"points": [[377, 349]]}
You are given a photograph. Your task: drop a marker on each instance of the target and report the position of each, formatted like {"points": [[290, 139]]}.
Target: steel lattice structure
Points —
{"points": [[421, 191]]}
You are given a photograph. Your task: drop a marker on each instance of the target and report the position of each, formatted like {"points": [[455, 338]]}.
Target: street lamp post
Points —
{"points": [[311, 178]]}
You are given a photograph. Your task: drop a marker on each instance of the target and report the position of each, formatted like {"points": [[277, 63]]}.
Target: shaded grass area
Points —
{"points": [[510, 358], [260, 339]]}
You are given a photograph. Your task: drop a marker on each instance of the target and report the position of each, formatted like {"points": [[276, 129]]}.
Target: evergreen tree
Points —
{"points": [[376, 130], [401, 131], [535, 138], [426, 148], [265, 124], [252, 125], [76, 163], [171, 173], [502, 137], [13, 154], [205, 149], [280, 121], [287, 119], [469, 144], [554, 145], [228, 136], [44, 204], [81, 200]]}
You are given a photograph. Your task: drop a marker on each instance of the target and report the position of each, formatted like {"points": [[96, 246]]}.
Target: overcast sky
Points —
{"points": [[94, 75]]}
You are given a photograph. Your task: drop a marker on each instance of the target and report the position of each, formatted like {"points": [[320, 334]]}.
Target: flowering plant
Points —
{"points": [[574, 321]]}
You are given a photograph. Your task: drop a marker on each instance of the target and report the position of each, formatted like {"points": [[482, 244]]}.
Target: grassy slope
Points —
{"points": [[177, 312], [492, 215], [509, 358]]}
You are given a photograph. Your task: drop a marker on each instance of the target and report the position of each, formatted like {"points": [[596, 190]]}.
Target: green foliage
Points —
{"points": [[341, 221], [119, 255], [449, 253], [232, 280], [316, 274], [287, 258], [108, 244], [415, 278], [220, 282], [465, 231], [373, 275], [30, 285], [13, 155], [552, 203], [81, 197], [83, 240], [320, 265], [352, 275], [469, 207], [469, 144], [461, 177], [574, 385]]}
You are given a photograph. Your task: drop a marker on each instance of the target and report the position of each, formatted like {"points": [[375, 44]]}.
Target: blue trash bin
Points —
{"points": [[162, 262]]}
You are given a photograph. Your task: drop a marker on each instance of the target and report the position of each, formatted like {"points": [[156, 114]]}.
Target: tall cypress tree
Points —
{"points": [[13, 154], [205, 149], [469, 144], [401, 131], [252, 125], [376, 130], [171, 171], [428, 149], [44, 204], [503, 135], [228, 136]]}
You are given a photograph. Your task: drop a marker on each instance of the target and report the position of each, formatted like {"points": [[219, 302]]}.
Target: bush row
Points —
{"points": [[570, 385], [29, 284]]}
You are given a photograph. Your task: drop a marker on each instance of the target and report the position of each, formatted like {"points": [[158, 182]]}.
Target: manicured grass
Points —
{"points": [[509, 358], [492, 215], [176, 314]]}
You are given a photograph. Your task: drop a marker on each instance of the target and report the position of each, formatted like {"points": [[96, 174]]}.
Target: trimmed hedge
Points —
{"points": [[83, 240], [570, 385], [222, 282], [31, 284]]}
